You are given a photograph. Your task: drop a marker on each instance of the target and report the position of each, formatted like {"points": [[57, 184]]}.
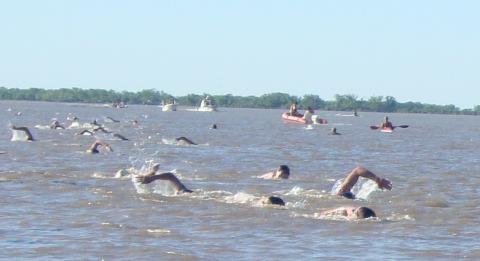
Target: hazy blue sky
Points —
{"points": [[426, 51]]}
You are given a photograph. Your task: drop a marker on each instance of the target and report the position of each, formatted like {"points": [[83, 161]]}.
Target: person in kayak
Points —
{"points": [[345, 188], [282, 172], [294, 110], [308, 115], [386, 124]]}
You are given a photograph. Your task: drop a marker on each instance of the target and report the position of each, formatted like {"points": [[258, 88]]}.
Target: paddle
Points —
{"points": [[399, 126]]}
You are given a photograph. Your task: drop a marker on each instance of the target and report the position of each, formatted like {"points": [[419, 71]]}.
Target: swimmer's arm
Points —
{"points": [[186, 140], [358, 172], [25, 129], [168, 176], [335, 212], [269, 175], [106, 145]]}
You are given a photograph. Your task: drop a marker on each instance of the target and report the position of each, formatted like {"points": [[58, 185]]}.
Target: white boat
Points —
{"points": [[169, 107], [207, 105], [207, 108]]}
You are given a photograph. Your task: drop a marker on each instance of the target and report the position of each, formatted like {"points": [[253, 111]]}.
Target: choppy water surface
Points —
{"points": [[59, 202]]}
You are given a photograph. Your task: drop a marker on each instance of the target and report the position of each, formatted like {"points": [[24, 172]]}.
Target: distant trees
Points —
{"points": [[348, 102]]}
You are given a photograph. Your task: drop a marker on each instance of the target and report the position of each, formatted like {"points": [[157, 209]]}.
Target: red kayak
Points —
{"points": [[299, 119], [388, 130]]}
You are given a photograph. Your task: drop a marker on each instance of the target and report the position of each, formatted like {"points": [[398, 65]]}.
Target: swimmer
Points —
{"points": [[333, 131], [183, 141], [213, 127], [352, 178], [282, 172], [94, 147], [152, 176], [351, 213], [112, 119], [308, 115], [25, 130], [95, 123], [72, 118], [116, 135], [56, 125], [100, 128], [84, 132], [272, 200]]}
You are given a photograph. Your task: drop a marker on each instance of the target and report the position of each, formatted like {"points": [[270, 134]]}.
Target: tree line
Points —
{"points": [[347, 102]]}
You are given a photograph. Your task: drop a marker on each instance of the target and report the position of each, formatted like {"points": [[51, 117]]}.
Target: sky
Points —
{"points": [[423, 51]]}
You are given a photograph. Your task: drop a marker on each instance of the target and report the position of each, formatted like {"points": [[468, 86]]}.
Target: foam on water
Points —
{"points": [[42, 127]]}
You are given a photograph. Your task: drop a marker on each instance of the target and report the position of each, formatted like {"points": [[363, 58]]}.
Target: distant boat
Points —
{"points": [[299, 119], [169, 107], [207, 105], [207, 108], [120, 105]]}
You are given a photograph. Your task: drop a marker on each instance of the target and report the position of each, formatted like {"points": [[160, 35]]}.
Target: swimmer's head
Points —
{"points": [[274, 201], [214, 126], [386, 118], [283, 171], [348, 195], [364, 212]]}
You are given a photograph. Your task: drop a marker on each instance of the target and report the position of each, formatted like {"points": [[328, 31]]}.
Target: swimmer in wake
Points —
{"points": [[98, 143], [350, 213], [56, 125], [85, 132], [183, 141], [25, 130], [282, 172], [333, 131], [119, 136]]}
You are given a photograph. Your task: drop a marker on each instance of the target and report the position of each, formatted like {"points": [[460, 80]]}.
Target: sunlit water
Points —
{"points": [[59, 202]]}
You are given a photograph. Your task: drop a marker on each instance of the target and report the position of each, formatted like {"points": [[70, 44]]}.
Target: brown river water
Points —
{"points": [[58, 202]]}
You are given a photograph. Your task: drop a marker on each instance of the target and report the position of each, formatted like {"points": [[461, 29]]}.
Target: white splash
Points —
{"points": [[362, 190]]}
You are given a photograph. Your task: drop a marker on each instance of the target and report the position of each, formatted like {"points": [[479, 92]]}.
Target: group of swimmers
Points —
{"points": [[282, 172]]}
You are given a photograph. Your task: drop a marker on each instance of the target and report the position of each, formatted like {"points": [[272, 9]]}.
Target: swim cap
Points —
{"points": [[348, 195]]}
